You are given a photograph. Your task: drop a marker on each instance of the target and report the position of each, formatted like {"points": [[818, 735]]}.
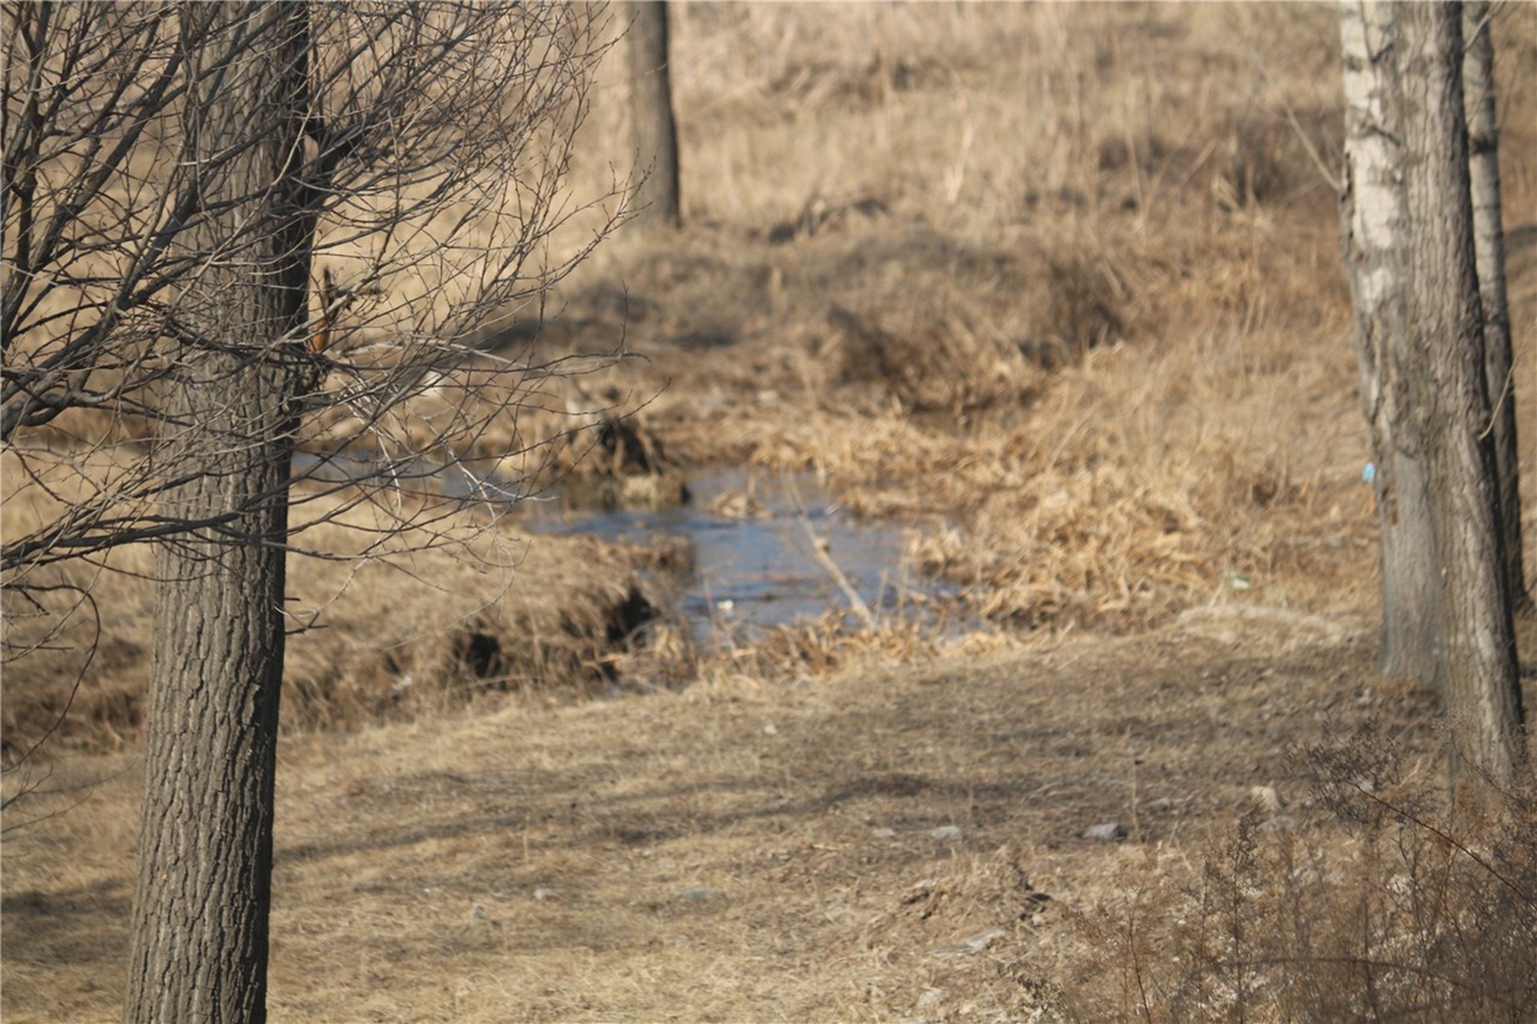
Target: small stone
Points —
{"points": [[930, 998], [979, 942], [883, 833], [544, 893], [1108, 832], [920, 890], [947, 834], [1268, 799]]}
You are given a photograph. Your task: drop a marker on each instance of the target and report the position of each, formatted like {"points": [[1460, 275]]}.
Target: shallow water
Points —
{"points": [[754, 573], [750, 573]]}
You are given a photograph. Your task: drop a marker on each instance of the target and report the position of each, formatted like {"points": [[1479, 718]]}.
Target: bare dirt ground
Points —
{"points": [[1060, 286], [735, 852]]}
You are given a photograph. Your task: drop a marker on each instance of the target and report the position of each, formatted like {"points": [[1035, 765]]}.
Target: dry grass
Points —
{"points": [[1059, 282], [1067, 277], [477, 610], [587, 836], [1384, 906]]}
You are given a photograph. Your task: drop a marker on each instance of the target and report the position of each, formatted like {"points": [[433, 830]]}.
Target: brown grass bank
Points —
{"points": [[390, 625], [1064, 276]]}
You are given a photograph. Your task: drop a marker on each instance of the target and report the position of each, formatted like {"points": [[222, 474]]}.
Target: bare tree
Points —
{"points": [[655, 129], [171, 176], [1489, 240], [1409, 244], [232, 413]]}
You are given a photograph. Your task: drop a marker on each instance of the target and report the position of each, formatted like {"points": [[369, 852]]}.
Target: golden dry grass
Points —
{"points": [[1065, 276], [1061, 283]]}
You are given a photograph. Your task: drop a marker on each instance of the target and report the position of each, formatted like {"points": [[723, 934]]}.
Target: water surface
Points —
{"points": [[755, 572]]}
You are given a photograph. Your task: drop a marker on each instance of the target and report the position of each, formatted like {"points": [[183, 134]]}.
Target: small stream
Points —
{"points": [[754, 563], [755, 571]]}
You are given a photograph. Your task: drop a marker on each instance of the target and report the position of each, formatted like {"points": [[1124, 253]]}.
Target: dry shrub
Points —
{"points": [[511, 420], [489, 610], [1386, 905], [924, 371], [999, 316], [958, 938], [857, 316], [77, 653], [981, 112], [814, 650]]}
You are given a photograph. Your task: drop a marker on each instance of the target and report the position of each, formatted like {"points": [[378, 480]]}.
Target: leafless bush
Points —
{"points": [[1419, 911]]}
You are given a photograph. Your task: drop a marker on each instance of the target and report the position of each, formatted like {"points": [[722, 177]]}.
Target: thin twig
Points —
{"points": [[820, 548]]}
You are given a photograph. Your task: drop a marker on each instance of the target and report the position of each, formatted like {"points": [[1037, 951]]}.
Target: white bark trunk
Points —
{"points": [[1374, 222]]}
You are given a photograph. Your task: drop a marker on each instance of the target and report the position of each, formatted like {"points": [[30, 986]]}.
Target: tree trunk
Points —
{"points": [[199, 944], [1448, 394], [1489, 242], [1373, 222], [655, 130]]}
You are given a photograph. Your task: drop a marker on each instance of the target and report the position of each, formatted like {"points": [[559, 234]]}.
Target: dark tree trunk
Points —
{"points": [[1448, 394], [199, 945], [1489, 242], [655, 130], [1373, 237]]}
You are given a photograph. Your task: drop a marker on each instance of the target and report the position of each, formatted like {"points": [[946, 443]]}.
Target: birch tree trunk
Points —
{"points": [[1448, 393], [1489, 243], [199, 944], [1373, 231], [655, 130]]}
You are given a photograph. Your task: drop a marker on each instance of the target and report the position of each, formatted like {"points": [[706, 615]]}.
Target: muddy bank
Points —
{"points": [[477, 611]]}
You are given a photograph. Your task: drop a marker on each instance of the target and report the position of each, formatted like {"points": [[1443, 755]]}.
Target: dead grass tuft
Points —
{"points": [[813, 651]]}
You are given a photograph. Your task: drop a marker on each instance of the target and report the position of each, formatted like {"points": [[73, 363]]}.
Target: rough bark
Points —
{"points": [[657, 196], [1489, 243], [199, 946], [1373, 225], [1448, 393]]}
